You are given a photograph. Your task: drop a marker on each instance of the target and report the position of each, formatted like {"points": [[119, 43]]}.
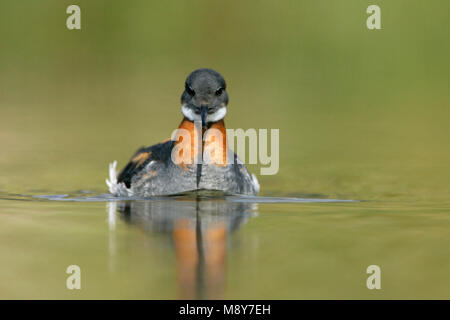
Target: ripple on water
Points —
{"points": [[90, 197]]}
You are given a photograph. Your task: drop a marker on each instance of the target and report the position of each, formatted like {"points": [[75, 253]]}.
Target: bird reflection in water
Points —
{"points": [[199, 227]]}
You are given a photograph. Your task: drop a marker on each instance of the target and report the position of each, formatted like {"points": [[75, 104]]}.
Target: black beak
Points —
{"points": [[203, 114]]}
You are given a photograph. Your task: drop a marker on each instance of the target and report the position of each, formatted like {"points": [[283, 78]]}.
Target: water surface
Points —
{"points": [[192, 247]]}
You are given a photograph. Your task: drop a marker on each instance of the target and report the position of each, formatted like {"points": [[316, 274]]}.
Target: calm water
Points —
{"points": [[190, 247], [363, 115]]}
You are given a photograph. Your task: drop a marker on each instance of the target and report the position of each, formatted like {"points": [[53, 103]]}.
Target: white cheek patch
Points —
{"points": [[218, 115], [214, 117], [188, 113]]}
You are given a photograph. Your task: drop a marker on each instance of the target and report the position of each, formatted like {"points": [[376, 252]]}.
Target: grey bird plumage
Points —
{"points": [[152, 171]]}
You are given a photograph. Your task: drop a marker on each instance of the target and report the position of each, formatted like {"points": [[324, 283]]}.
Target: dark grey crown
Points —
{"points": [[204, 88]]}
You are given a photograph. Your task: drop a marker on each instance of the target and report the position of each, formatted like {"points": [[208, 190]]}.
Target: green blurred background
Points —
{"points": [[355, 107], [363, 114]]}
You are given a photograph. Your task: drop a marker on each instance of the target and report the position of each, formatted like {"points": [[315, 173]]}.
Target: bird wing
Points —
{"points": [[158, 152]]}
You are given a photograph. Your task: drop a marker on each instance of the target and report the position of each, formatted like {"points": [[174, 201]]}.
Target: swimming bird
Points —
{"points": [[196, 157]]}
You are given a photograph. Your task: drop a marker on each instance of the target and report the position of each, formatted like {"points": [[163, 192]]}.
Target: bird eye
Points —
{"points": [[189, 90], [219, 91]]}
